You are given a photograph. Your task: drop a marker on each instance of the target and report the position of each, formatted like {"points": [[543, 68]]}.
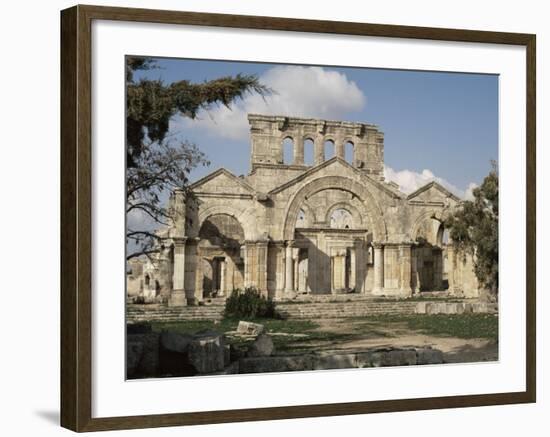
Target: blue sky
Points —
{"points": [[437, 125]]}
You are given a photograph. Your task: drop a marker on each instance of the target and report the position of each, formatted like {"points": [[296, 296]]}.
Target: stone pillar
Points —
{"points": [[289, 269], [296, 262], [352, 268], [319, 150], [222, 266], [244, 256], [177, 297], [378, 268], [415, 279], [299, 152], [405, 269], [261, 266], [451, 262], [437, 254], [340, 150], [178, 207], [360, 259]]}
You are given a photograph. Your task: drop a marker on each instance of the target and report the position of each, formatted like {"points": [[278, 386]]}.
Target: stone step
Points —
{"points": [[305, 310]]}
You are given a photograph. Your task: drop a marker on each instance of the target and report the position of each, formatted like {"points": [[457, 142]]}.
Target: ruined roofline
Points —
{"points": [[436, 185], [284, 119]]}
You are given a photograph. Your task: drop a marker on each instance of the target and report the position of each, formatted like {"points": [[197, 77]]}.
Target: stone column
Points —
{"points": [[451, 263], [289, 269], [378, 268], [299, 152], [261, 266], [221, 266], [296, 262], [405, 269], [244, 256], [360, 266], [415, 280], [437, 254], [342, 261], [177, 298], [340, 151], [352, 273], [319, 150]]}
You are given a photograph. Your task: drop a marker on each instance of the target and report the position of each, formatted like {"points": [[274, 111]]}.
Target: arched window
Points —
{"points": [[329, 149], [288, 151], [308, 152], [341, 219], [147, 280], [349, 152]]}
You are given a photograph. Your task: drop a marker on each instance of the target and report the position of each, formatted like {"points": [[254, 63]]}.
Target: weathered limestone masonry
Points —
{"points": [[325, 227]]}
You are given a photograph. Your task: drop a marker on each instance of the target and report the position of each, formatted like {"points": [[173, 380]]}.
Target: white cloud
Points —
{"points": [[469, 194], [410, 181], [299, 91]]}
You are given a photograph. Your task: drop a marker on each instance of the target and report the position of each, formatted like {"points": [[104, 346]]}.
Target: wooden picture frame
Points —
{"points": [[76, 217]]}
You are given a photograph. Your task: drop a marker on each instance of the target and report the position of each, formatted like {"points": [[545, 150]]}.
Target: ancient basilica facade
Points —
{"points": [[323, 227]]}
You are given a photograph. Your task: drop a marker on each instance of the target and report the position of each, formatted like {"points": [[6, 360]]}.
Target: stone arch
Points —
{"points": [[421, 220], [356, 215], [246, 218], [222, 230], [373, 210]]}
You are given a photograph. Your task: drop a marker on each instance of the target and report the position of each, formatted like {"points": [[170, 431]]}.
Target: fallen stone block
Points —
{"points": [[261, 347], [148, 365], [231, 369], [399, 358], [138, 328], [206, 352], [249, 328], [174, 341], [429, 356], [339, 361], [276, 364], [134, 352]]}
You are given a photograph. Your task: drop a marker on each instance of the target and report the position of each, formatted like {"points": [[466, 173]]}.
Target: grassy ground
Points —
{"points": [[456, 325], [319, 335]]}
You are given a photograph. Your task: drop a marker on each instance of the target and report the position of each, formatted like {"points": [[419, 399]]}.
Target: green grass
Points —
{"points": [[447, 325], [465, 326], [224, 325]]}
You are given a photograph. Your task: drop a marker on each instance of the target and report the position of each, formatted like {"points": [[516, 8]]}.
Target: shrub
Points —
{"points": [[249, 304]]}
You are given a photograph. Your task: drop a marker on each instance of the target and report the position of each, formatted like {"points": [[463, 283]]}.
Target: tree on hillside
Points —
{"points": [[474, 228], [155, 162]]}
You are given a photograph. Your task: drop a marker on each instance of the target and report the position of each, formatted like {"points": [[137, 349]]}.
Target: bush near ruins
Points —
{"points": [[249, 304]]}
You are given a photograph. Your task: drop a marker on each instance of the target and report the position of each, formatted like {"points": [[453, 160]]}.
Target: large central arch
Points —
{"points": [[374, 212]]}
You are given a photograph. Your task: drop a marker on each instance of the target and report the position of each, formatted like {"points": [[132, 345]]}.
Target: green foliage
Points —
{"points": [[249, 304], [474, 229], [150, 104]]}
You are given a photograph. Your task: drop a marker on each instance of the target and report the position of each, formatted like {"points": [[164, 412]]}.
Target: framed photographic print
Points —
{"points": [[339, 216]]}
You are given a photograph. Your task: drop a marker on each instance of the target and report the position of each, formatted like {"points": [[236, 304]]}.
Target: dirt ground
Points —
{"points": [[454, 349]]}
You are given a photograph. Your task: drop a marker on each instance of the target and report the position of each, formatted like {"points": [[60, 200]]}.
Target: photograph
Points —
{"points": [[285, 217]]}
